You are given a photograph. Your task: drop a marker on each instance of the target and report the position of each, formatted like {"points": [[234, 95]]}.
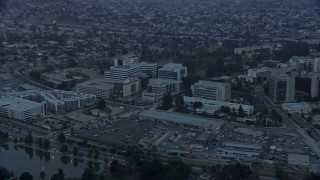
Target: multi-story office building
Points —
{"points": [[164, 86], [314, 64], [101, 88], [298, 63], [211, 90], [307, 85], [172, 71], [157, 88], [125, 89], [281, 88], [258, 74], [57, 101], [21, 109], [126, 68]]}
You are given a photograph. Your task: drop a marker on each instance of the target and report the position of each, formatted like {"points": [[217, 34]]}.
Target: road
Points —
{"points": [[25, 79], [292, 122]]}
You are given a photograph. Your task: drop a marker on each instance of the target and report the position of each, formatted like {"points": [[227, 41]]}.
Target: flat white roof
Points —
{"points": [[18, 104], [249, 131], [181, 118], [210, 83], [242, 145], [98, 83], [298, 159], [295, 106]]}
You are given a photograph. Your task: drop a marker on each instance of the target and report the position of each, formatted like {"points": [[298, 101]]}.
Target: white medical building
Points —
{"points": [[21, 109], [157, 88], [211, 90], [212, 104], [126, 89], [172, 71], [100, 87], [127, 68], [57, 101]]}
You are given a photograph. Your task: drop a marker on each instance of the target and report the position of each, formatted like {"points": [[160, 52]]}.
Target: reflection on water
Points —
{"points": [[20, 159]]}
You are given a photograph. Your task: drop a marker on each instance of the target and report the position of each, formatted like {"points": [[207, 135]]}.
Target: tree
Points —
{"points": [[280, 174], [4, 173], [312, 176], [26, 176], [196, 105], [187, 82], [223, 109], [61, 137], [59, 176], [75, 151], [64, 148], [216, 69], [167, 100], [40, 142], [28, 139], [46, 143], [96, 154], [152, 170], [235, 172], [90, 153], [252, 64], [240, 111], [88, 174], [179, 102], [101, 104], [227, 108], [134, 154], [114, 166], [42, 175], [36, 75], [106, 160], [262, 108], [176, 170]]}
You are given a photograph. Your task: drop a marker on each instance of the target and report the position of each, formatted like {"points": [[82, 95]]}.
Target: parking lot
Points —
{"points": [[121, 131]]}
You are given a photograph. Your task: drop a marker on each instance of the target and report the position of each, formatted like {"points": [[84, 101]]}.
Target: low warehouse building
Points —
{"points": [[213, 125], [298, 160]]}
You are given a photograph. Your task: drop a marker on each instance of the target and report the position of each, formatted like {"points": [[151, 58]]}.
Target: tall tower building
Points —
{"points": [[307, 85], [314, 65], [281, 88], [127, 68]]}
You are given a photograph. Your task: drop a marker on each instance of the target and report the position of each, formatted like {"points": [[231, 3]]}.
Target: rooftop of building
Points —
{"points": [[242, 145], [259, 69], [298, 105], [127, 80], [17, 104], [271, 61], [248, 131], [211, 83], [214, 102], [162, 81], [300, 159], [183, 119], [172, 66], [221, 78], [97, 83]]}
